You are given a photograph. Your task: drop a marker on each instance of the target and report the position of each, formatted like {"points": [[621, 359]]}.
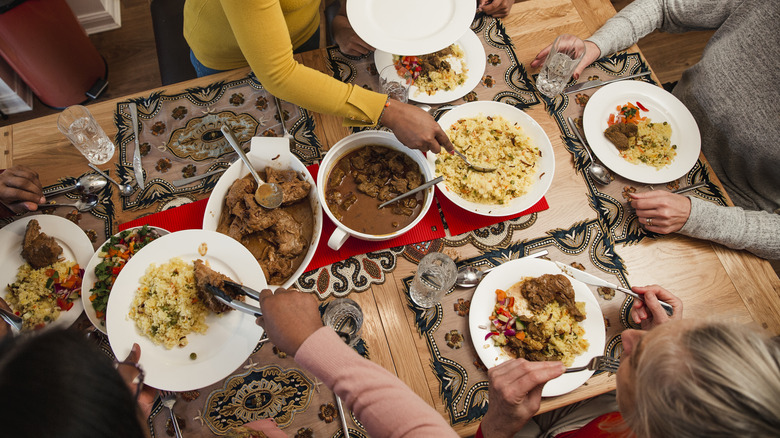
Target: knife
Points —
{"points": [[137, 168], [185, 181], [595, 281], [598, 82]]}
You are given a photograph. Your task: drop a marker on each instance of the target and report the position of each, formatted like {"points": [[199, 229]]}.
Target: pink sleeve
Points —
{"points": [[384, 404]]}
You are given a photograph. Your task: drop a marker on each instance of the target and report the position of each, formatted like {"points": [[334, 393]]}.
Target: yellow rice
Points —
{"points": [[489, 142], [166, 307], [653, 146], [29, 295], [445, 80]]}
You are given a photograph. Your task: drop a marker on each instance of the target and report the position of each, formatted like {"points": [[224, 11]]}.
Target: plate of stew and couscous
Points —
{"points": [[499, 311], [667, 144], [184, 345], [38, 293]]}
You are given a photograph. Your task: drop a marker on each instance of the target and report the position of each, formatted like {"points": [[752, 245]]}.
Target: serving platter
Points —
{"points": [[546, 162]]}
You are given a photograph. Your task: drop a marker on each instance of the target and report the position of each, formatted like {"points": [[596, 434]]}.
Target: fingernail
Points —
{"points": [[43, 200], [576, 76]]}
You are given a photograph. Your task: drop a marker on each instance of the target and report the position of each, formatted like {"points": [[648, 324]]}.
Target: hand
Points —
{"points": [[347, 39], [515, 391], [289, 317], [649, 313], [20, 189], [592, 53], [667, 211], [148, 394], [495, 8], [415, 128]]}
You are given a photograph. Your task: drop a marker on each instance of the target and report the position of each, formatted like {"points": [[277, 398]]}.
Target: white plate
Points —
{"points": [[664, 107], [264, 152], [410, 27], [475, 60], [531, 129], [89, 280], [504, 276], [230, 338], [75, 247]]}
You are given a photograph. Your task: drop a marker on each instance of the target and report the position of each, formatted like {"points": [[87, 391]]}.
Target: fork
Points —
{"points": [[168, 399], [279, 110], [598, 363]]}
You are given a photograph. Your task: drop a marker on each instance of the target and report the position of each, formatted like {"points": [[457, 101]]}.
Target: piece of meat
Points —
{"points": [[288, 232], [39, 249], [204, 276], [294, 186], [619, 134]]}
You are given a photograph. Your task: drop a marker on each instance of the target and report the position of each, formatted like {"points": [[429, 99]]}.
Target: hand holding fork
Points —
{"points": [[598, 363]]}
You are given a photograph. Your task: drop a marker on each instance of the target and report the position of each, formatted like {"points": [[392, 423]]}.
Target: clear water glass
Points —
{"points": [[435, 275], [566, 52], [345, 317], [77, 123], [393, 85]]}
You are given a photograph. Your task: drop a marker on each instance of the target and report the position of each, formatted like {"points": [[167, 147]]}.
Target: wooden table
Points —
{"points": [[711, 280]]}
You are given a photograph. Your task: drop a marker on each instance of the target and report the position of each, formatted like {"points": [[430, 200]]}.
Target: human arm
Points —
{"points": [[345, 36], [129, 374], [292, 322], [20, 189], [495, 8], [648, 312], [515, 392]]}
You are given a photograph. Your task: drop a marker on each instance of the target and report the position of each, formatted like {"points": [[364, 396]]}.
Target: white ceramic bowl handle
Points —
{"points": [[337, 239]]}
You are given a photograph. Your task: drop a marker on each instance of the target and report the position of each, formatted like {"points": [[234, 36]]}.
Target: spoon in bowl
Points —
{"points": [[268, 195], [124, 189], [474, 166], [597, 171], [469, 276]]}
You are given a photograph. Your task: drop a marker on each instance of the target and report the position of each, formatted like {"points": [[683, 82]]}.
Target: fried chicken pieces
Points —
{"points": [[39, 249]]}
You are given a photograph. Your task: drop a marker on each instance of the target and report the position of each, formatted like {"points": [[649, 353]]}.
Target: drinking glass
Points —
{"points": [[566, 52], [77, 123], [393, 85], [435, 275], [345, 317]]}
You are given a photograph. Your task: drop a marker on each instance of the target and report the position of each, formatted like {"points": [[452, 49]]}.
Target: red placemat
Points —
{"points": [[190, 216], [184, 217], [461, 221]]}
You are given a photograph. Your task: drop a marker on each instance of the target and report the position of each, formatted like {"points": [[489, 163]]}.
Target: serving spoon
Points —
{"points": [[268, 195], [474, 166], [124, 189], [597, 171]]}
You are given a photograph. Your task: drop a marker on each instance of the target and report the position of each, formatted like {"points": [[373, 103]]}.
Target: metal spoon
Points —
{"points": [[84, 204], [14, 321], [89, 184], [124, 189], [474, 166], [469, 276], [281, 120], [597, 171], [268, 195]]}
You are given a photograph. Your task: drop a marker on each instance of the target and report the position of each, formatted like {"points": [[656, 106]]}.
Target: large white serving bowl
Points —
{"points": [[267, 152], [357, 141], [546, 162]]}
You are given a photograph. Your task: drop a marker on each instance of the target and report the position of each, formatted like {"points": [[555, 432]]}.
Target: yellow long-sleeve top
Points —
{"points": [[228, 34]]}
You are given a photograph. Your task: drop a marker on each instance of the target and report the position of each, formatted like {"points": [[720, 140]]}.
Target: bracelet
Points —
{"points": [[387, 105]]}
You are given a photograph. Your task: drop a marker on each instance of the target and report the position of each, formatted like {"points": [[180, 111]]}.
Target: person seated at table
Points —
{"points": [[677, 378], [733, 98], [228, 34], [20, 190], [378, 399]]}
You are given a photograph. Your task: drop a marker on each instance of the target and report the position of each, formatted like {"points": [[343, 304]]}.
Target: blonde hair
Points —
{"points": [[712, 379]]}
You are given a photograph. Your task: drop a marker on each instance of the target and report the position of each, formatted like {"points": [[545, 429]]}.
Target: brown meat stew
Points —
{"points": [[280, 238], [367, 177]]}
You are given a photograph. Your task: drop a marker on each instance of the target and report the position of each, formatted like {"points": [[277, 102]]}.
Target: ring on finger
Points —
{"points": [[649, 221]]}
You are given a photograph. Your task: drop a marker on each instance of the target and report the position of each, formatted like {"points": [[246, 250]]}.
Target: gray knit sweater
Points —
{"points": [[734, 95]]}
